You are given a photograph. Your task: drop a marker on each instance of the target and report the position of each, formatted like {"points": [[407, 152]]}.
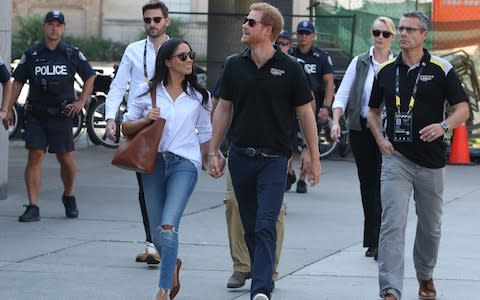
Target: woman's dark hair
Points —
{"points": [[161, 70]]}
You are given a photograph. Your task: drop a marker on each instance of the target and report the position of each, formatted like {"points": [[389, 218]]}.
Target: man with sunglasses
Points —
{"points": [[136, 67], [414, 88], [318, 66], [262, 91]]}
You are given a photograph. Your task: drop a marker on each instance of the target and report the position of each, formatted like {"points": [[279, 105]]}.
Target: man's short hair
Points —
{"points": [[424, 20], [155, 4], [270, 16]]}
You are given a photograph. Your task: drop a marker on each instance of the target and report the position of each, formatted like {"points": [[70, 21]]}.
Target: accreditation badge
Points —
{"points": [[403, 127]]}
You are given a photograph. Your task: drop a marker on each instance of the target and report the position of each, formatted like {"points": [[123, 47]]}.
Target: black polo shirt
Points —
{"points": [[4, 74], [437, 82], [51, 72], [316, 63], [264, 99]]}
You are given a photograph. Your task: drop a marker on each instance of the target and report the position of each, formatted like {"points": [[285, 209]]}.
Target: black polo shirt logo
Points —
{"points": [[425, 78], [276, 72]]}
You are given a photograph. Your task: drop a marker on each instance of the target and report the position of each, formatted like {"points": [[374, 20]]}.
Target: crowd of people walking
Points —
{"points": [[265, 108]]}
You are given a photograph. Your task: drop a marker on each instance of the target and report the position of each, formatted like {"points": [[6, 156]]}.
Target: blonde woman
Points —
{"points": [[355, 91]]}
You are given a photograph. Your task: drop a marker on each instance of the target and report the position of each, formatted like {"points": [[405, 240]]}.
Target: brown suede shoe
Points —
{"points": [[389, 297], [176, 280], [238, 279], [426, 290]]}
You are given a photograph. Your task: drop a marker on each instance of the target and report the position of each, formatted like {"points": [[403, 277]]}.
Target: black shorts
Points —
{"points": [[52, 133]]}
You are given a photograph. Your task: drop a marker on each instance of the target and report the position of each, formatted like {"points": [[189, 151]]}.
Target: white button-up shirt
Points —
{"points": [[187, 121], [131, 69]]}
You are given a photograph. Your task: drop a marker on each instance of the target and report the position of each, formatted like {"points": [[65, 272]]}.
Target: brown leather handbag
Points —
{"points": [[139, 152]]}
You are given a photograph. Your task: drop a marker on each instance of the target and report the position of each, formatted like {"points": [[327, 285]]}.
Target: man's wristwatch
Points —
{"points": [[444, 125]]}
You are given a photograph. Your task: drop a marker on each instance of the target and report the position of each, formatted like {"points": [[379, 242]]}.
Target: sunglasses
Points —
{"points": [[282, 43], [409, 30], [251, 22], [385, 34], [304, 32], [148, 20], [184, 55]]}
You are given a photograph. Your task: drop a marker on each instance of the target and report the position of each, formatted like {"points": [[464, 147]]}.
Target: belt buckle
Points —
{"points": [[249, 151], [265, 155]]}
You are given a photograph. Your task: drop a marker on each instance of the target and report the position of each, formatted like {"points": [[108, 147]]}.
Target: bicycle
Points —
{"points": [[326, 144], [95, 122]]}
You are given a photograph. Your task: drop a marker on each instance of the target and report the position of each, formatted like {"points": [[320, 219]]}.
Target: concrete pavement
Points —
{"points": [[93, 257]]}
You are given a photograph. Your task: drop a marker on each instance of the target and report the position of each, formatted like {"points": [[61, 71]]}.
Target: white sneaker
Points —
{"points": [[150, 255], [260, 296]]}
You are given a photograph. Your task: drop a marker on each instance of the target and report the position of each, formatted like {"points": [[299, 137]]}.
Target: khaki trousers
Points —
{"points": [[238, 248]]}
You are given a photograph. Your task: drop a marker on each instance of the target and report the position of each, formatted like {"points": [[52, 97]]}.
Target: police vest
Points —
{"points": [[52, 73]]}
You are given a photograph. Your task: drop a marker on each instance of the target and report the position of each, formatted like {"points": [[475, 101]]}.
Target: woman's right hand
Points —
{"points": [[335, 131], [153, 114]]}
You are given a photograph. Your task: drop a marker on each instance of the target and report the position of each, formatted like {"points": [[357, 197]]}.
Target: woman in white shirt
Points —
{"points": [[355, 91], [182, 150]]}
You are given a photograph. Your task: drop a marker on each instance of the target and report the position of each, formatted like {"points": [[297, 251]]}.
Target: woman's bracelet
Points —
{"points": [[212, 154]]}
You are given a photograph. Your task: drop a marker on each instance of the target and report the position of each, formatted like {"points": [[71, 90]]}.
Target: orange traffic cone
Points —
{"points": [[459, 152]]}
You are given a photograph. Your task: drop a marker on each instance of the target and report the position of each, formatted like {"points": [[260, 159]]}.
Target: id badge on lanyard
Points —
{"points": [[403, 127]]}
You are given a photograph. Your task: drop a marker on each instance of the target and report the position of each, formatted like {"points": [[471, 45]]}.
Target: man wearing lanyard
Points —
{"points": [[413, 87], [137, 67]]}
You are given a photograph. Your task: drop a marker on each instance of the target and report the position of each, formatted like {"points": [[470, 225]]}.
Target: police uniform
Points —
{"points": [[4, 74], [316, 63], [50, 74]]}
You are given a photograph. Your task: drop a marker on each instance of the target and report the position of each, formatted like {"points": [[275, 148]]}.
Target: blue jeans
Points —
{"points": [[259, 185], [167, 191]]}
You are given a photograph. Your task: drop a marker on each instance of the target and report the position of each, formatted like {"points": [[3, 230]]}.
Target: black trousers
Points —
{"points": [[368, 159], [143, 208]]}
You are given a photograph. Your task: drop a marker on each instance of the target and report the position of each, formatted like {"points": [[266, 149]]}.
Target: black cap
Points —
{"points": [[55, 15]]}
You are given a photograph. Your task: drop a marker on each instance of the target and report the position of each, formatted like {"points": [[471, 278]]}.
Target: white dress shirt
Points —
{"points": [[130, 74], [341, 97], [187, 120]]}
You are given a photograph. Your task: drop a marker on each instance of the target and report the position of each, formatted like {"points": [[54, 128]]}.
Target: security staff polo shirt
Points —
{"points": [[264, 99], [437, 82], [316, 64], [4, 74], [51, 72]]}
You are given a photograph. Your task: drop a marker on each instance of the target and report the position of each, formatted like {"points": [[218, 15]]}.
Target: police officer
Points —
{"points": [[50, 67], [7, 89], [319, 70]]}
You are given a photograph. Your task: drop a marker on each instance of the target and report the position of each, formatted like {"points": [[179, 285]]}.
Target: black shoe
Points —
{"points": [[31, 214], [372, 252], [291, 178], [71, 210], [301, 187]]}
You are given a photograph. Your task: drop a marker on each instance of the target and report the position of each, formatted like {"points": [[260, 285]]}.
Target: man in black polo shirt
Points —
{"points": [[262, 89], [413, 87], [7, 89], [50, 67]]}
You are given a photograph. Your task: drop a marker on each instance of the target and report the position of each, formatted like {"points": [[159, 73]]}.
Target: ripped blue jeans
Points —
{"points": [[167, 191]]}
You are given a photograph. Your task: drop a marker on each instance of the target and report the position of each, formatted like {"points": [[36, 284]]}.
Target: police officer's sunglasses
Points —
{"points": [[183, 56], [385, 34], [282, 43], [148, 20]]}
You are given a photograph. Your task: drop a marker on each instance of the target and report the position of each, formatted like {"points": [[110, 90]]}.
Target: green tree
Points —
{"points": [[30, 32]]}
